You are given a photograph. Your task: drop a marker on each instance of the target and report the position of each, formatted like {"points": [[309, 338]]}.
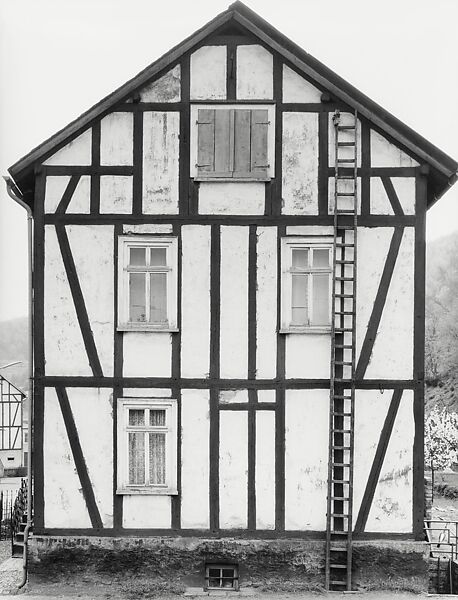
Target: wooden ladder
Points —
{"points": [[343, 339]]}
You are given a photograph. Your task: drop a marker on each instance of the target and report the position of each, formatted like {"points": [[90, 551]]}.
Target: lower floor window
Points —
{"points": [[221, 577], [147, 445]]}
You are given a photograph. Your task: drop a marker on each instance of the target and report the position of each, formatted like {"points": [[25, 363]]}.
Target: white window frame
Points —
{"points": [[288, 244], [171, 245], [270, 138], [123, 429]]}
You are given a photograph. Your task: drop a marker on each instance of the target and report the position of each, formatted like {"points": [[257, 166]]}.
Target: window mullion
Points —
{"points": [[147, 470], [231, 141], [310, 299]]}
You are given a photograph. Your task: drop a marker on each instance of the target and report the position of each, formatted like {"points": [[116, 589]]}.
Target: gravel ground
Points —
{"points": [[5, 550]]}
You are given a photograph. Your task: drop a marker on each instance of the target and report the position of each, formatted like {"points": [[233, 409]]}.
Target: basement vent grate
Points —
{"points": [[220, 576]]}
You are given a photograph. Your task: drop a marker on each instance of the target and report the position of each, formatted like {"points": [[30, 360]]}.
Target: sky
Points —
{"points": [[59, 57]]}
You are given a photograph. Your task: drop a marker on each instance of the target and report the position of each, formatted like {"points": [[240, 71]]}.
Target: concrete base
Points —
{"points": [[177, 563]]}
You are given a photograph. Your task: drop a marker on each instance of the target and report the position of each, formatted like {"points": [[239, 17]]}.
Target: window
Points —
{"points": [[306, 285], [221, 576], [147, 283], [233, 143], [147, 441]]}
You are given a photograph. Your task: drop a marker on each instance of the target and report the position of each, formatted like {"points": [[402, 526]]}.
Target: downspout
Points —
{"points": [[15, 194]]}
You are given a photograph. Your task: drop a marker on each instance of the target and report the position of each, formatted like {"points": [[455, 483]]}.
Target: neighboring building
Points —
{"points": [[12, 449], [195, 307]]}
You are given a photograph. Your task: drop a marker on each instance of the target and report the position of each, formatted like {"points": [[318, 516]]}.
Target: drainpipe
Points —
{"points": [[15, 194]]}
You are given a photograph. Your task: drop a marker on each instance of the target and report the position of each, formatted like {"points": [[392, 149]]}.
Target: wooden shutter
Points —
{"points": [[205, 141], [224, 143], [242, 143], [259, 131]]}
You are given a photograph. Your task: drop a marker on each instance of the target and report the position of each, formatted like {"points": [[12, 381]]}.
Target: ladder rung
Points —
{"points": [[341, 397], [347, 194], [345, 279], [338, 566], [345, 262], [345, 127], [341, 498], [341, 464], [345, 160], [341, 448], [344, 346], [341, 414], [345, 143], [339, 533], [340, 515], [344, 295], [342, 329], [344, 245], [345, 176], [344, 211], [340, 480], [343, 362], [341, 431]]}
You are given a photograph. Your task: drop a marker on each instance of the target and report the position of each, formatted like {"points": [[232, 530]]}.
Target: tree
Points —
{"points": [[441, 438]]}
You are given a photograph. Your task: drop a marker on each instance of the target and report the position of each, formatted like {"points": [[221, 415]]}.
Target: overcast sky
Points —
{"points": [[59, 57]]}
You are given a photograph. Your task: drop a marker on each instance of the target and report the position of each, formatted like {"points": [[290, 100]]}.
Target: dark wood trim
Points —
{"points": [[280, 402], [260, 220], [223, 40], [323, 163], [377, 463], [231, 71], [78, 457], [392, 196], [87, 170], [379, 303], [176, 392], [68, 194], [95, 177], [151, 106], [365, 165], [78, 300], [215, 307], [250, 406], [118, 358], [421, 196], [252, 300], [137, 185], [221, 384], [185, 128], [276, 192], [312, 107], [379, 171], [252, 398], [220, 533]]}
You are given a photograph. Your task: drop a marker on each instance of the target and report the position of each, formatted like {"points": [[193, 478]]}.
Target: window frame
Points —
{"points": [[170, 243], [123, 429], [194, 172], [221, 567], [288, 244]]}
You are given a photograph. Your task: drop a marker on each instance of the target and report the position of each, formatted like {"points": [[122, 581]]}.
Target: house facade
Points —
{"points": [[196, 307]]}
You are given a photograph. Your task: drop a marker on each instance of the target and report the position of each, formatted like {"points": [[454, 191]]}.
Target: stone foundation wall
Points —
{"points": [[280, 565]]}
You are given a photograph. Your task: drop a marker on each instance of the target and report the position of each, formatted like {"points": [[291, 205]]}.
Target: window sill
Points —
{"points": [[319, 330], [233, 179], [147, 491], [141, 327]]}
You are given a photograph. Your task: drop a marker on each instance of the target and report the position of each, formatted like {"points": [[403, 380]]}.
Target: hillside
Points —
{"points": [[442, 323], [13, 347]]}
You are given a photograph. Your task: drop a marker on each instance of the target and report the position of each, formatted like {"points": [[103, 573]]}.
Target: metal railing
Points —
{"points": [[442, 538], [7, 498], [18, 510]]}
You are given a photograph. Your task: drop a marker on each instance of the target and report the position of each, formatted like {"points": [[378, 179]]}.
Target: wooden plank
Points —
{"points": [[379, 303], [185, 126], [224, 140], [68, 194], [95, 177], [259, 132], [280, 402], [276, 199], [231, 68], [78, 457], [323, 160], [377, 463], [392, 196], [206, 140], [365, 165], [242, 150], [78, 300], [137, 183]]}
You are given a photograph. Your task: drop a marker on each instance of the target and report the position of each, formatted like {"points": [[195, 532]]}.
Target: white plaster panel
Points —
{"points": [[371, 407], [147, 393], [386, 154], [238, 198], [391, 508], [306, 459], [265, 467], [165, 89], [234, 302], [208, 73], [148, 228], [309, 230], [195, 461], [117, 139], [55, 188], [300, 164], [267, 396], [344, 136], [392, 356], [93, 407], [405, 190], [195, 306], [116, 194], [233, 469], [345, 203], [81, 199], [147, 354], [298, 89], [254, 73], [65, 353], [160, 162], [92, 250], [64, 504], [266, 302], [308, 355], [373, 244], [144, 511], [380, 203], [77, 152], [233, 396]]}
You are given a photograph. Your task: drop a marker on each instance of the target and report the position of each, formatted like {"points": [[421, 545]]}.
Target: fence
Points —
{"points": [[7, 498]]}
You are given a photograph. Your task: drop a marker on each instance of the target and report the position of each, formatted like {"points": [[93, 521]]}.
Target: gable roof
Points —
{"points": [[445, 169]]}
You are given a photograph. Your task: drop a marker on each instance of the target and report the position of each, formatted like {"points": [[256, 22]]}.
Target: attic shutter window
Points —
{"points": [[232, 143]]}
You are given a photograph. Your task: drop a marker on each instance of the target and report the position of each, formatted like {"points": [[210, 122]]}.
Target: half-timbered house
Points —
{"points": [[229, 320]]}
